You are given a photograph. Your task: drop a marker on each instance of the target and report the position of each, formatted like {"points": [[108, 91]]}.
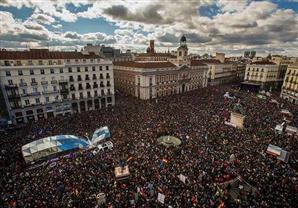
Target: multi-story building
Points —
{"points": [[262, 74], [40, 83], [147, 80], [220, 73], [160, 76], [290, 84]]}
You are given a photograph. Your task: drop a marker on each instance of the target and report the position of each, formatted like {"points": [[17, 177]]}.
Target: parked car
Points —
{"points": [[107, 145]]}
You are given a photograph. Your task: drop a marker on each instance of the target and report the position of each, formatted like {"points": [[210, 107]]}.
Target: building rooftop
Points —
{"points": [[155, 55], [148, 65], [44, 54], [197, 63], [263, 62]]}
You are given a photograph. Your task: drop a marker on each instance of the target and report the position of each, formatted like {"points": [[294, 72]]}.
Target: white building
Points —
{"points": [[262, 73], [290, 84], [154, 75], [40, 83]]}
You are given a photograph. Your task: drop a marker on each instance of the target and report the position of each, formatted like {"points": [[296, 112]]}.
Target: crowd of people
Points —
{"points": [[196, 118]]}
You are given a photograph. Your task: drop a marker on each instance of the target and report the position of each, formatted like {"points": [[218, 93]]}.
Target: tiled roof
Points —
{"points": [[147, 65], [263, 63], [197, 63], [210, 61], [44, 54], [155, 55]]}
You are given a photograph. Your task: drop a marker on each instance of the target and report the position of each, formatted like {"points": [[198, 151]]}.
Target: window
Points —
{"points": [[107, 67], [47, 99], [33, 80], [20, 72], [37, 100], [88, 94], [19, 63], [30, 62], [109, 91], [102, 92], [34, 89], [78, 69], [100, 68], [24, 91], [95, 92], [81, 95], [55, 88], [180, 53], [93, 67], [45, 88], [52, 71], [40, 62], [22, 81], [86, 68], [73, 96], [69, 69], [41, 71], [8, 73], [68, 61], [27, 102], [61, 70], [10, 82]]}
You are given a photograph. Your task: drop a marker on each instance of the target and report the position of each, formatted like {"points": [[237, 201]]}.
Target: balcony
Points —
{"points": [[50, 92], [95, 86], [34, 83], [101, 77], [13, 96], [44, 82], [108, 85], [71, 79], [72, 88], [63, 82], [31, 94], [64, 91], [54, 82], [102, 85], [23, 84], [94, 78], [88, 87], [79, 79], [11, 87], [87, 78]]}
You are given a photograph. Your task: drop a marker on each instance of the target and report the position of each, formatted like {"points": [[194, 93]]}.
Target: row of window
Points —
{"points": [[49, 62], [61, 70], [79, 77], [88, 86]]}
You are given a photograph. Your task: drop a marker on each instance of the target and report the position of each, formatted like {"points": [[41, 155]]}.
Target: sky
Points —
{"points": [[228, 26]]}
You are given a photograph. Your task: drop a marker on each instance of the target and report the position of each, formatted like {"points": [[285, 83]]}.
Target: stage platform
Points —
{"points": [[122, 173]]}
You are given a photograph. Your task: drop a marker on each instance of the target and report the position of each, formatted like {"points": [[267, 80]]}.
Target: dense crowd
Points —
{"points": [[197, 118]]}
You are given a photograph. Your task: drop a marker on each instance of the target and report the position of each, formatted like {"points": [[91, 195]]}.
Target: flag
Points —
{"points": [[100, 134]]}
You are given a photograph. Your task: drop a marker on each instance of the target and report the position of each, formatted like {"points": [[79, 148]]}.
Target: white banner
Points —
{"points": [[161, 198], [182, 178]]}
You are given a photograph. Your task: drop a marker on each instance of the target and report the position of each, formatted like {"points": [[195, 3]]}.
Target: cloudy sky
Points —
{"points": [[229, 26]]}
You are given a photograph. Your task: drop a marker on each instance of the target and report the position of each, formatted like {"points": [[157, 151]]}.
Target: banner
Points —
{"points": [[182, 178], [161, 198], [100, 134]]}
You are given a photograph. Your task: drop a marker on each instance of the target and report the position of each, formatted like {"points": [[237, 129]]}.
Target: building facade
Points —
{"points": [[220, 73], [290, 84], [153, 75], [147, 80], [40, 83], [262, 73]]}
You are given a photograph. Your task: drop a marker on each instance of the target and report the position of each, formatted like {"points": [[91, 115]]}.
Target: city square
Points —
{"points": [[203, 156], [149, 103]]}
